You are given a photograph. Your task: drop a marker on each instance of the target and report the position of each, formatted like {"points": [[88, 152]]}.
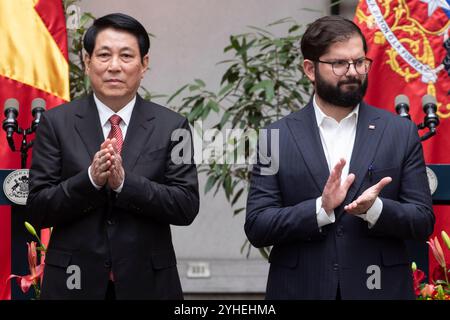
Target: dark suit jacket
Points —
{"points": [[307, 263], [96, 230]]}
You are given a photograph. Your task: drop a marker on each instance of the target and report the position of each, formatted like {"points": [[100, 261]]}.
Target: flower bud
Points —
{"points": [[30, 229], [414, 267], [446, 239]]}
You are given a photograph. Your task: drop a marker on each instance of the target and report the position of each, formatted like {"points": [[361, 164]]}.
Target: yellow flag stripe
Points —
{"points": [[29, 53]]}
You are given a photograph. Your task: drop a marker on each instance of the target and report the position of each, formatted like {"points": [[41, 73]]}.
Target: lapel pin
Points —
{"points": [[371, 126], [370, 171]]}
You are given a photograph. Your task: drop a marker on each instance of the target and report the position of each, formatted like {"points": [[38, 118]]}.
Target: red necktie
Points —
{"points": [[116, 132]]}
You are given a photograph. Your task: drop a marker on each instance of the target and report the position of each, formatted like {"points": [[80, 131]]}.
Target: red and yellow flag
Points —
{"points": [[33, 63], [405, 40]]}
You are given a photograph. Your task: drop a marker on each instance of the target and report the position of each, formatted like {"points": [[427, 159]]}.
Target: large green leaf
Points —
{"points": [[177, 93], [210, 183], [267, 86], [237, 196], [226, 89]]}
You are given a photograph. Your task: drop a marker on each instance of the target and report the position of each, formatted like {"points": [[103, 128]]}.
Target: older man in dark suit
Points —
{"points": [[103, 177]]}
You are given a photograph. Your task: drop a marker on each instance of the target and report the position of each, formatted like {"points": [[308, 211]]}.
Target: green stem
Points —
{"points": [[446, 276], [37, 291], [40, 243]]}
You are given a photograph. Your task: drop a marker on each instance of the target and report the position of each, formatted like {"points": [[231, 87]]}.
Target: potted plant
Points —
{"points": [[263, 82]]}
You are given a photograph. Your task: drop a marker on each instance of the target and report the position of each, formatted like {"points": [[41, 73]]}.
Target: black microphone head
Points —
{"points": [[37, 108], [37, 103], [10, 123], [402, 106], [402, 99], [429, 101], [13, 104]]}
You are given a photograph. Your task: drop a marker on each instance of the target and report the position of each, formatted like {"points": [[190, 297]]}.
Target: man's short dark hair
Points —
{"points": [[117, 21], [324, 32]]}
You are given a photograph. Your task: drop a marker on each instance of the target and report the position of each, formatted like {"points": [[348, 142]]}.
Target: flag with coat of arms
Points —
{"points": [[33, 64], [406, 41]]}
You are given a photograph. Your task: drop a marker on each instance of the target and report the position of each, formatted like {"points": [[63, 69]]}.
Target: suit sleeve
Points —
{"points": [[268, 221], [51, 200], [176, 201], [411, 216]]}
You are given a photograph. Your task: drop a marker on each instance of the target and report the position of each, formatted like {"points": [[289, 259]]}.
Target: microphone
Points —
{"points": [[11, 111], [402, 106], [37, 109], [429, 105]]}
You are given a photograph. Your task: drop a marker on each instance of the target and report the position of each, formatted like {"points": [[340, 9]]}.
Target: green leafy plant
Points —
{"points": [[263, 82], [79, 82]]}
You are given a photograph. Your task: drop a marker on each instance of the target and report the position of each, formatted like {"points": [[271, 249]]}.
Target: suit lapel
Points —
{"points": [[140, 127], [138, 132], [369, 131], [88, 126], [303, 127]]}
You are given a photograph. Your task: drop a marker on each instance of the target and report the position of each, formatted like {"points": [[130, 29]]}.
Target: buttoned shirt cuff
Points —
{"points": [[374, 212], [322, 217], [92, 180]]}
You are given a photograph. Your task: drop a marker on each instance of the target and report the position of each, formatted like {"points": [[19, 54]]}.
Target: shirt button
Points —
{"points": [[87, 210], [335, 267], [340, 231]]}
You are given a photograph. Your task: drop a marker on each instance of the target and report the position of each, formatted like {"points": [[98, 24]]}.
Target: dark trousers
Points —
{"points": [[110, 291], [338, 293]]}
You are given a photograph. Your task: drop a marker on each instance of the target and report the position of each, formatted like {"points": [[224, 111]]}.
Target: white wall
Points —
{"points": [[190, 34]]}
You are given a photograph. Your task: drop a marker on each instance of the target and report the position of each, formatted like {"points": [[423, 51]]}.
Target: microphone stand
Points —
{"points": [[24, 145], [431, 119], [429, 134]]}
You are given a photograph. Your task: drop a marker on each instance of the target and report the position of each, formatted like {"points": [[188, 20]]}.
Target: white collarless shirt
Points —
{"points": [[104, 113], [338, 139]]}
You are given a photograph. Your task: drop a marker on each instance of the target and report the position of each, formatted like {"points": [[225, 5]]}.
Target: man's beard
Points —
{"points": [[334, 95]]}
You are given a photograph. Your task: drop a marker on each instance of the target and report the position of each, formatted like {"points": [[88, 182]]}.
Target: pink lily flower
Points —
{"points": [[428, 290], [437, 251], [36, 272]]}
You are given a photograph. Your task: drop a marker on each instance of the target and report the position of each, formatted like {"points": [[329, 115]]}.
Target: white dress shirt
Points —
{"points": [[104, 113], [337, 140]]}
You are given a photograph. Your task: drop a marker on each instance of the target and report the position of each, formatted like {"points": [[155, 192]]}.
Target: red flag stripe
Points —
{"points": [[50, 13], [5, 252]]}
